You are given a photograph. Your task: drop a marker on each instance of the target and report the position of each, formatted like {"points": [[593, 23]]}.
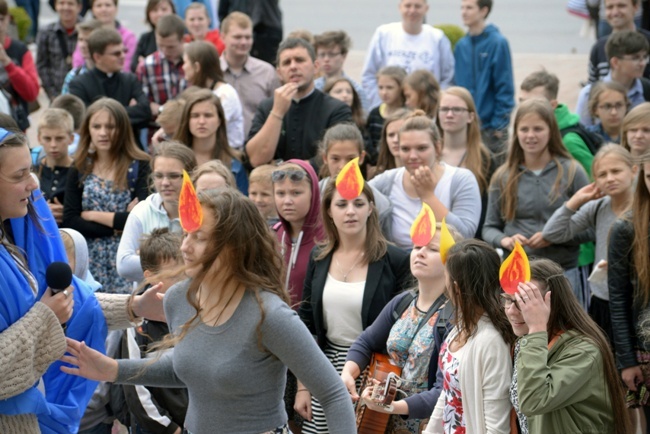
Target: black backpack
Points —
{"points": [[592, 140]]}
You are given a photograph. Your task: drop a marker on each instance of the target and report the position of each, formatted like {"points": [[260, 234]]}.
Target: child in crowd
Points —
{"points": [[595, 208], [260, 191], [76, 250], [155, 409], [389, 84], [158, 210], [168, 119], [211, 175], [538, 177], [628, 279], [608, 104], [154, 10], [55, 134], [564, 378], [341, 144], [341, 88], [388, 151], [197, 21], [635, 132], [76, 107], [422, 91], [84, 29], [105, 11], [110, 175], [451, 192]]}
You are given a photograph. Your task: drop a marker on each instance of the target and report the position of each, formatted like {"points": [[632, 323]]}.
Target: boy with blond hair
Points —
{"points": [[55, 134], [260, 191]]}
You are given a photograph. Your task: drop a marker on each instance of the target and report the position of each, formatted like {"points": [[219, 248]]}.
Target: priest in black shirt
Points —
{"points": [[292, 122]]}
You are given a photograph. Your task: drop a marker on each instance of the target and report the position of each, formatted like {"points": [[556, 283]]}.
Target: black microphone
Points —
{"points": [[58, 276]]}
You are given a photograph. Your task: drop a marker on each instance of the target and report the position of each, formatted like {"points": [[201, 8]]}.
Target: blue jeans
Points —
{"points": [[574, 277]]}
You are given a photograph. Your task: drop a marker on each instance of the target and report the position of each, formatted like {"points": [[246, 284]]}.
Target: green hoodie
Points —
{"points": [[579, 150]]}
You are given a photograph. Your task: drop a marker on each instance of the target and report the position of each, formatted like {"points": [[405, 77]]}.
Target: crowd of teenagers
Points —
{"points": [[255, 237]]}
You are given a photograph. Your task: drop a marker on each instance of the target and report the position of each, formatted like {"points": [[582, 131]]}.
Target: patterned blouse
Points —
{"points": [[452, 416]]}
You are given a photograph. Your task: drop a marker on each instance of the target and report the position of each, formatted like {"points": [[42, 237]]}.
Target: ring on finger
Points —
{"points": [[66, 293]]}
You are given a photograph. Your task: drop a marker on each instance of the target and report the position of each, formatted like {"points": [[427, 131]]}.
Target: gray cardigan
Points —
{"points": [[594, 219], [464, 210], [534, 208]]}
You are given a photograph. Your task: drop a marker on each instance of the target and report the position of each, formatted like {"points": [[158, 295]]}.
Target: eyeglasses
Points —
{"points": [[637, 58], [454, 110], [118, 53], [326, 55], [159, 176], [293, 175], [608, 107], [507, 301]]}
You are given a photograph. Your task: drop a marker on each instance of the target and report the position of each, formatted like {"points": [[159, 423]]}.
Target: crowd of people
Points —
{"points": [[260, 232]]}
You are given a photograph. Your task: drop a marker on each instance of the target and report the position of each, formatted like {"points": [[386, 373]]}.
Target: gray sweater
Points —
{"points": [[534, 208], [596, 218], [234, 387]]}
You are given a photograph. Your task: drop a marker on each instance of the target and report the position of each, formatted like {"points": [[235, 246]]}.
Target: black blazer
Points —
{"points": [[386, 278]]}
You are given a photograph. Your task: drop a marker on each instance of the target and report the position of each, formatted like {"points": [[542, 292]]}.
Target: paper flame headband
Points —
{"points": [[446, 241], [349, 182], [190, 212], [514, 269]]}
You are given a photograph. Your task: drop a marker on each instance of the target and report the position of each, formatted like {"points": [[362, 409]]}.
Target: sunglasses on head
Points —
{"points": [[293, 175]]}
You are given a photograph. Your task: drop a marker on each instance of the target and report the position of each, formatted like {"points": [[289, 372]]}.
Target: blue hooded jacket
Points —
{"points": [[484, 67]]}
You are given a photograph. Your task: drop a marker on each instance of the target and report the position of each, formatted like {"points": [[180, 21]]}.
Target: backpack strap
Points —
{"points": [[402, 305]]}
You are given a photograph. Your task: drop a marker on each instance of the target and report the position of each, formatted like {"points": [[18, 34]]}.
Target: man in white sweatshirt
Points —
{"points": [[409, 44]]}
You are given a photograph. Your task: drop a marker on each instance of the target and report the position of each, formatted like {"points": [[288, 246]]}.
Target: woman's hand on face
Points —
{"points": [[88, 363], [149, 305], [61, 304], [585, 194], [632, 376], [424, 181], [302, 404], [535, 308]]}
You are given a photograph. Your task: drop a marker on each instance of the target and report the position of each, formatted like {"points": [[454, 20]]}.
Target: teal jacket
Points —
{"points": [[562, 389]]}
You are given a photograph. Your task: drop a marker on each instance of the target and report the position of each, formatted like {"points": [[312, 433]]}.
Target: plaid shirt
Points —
{"points": [[161, 79], [51, 63]]}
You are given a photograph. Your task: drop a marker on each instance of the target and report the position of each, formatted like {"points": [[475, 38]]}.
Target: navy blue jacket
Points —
{"points": [[484, 67]]}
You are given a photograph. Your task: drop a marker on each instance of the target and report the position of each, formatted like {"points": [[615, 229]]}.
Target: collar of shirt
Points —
{"points": [[297, 100]]}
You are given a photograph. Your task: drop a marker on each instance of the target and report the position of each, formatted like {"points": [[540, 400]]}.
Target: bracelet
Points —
{"points": [[129, 310], [302, 390], [275, 115]]}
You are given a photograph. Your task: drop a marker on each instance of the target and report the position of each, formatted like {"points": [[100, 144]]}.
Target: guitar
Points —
{"points": [[370, 421]]}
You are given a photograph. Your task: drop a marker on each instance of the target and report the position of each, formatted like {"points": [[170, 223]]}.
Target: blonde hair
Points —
{"points": [[615, 150], [214, 166], [477, 157], [262, 175], [639, 115], [419, 121], [56, 118]]}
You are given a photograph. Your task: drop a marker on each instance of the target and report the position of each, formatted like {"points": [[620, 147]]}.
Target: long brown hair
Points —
{"points": [[357, 110], [477, 156], [338, 133], [509, 173], [640, 221], [222, 150], [386, 160], [376, 244], [473, 270], [247, 253], [567, 314], [176, 151], [425, 85], [206, 55], [418, 121], [123, 146]]}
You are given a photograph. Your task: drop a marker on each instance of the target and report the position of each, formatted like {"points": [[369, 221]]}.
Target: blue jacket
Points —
{"points": [[484, 67]]}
